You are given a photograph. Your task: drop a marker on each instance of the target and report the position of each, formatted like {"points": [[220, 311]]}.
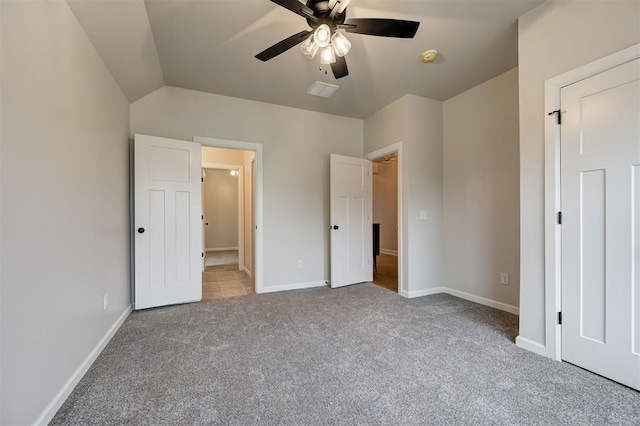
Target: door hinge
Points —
{"points": [[202, 180], [202, 254], [559, 318], [202, 217], [558, 115], [559, 218]]}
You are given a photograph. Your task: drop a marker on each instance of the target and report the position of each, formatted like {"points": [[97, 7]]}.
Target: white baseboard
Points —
{"points": [[483, 301], [221, 249], [421, 293], [295, 286], [57, 401], [389, 252], [532, 346], [462, 295]]}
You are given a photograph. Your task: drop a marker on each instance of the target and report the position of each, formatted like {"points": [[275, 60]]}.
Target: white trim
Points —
{"points": [[530, 345], [221, 249], [402, 221], [483, 301], [422, 293], [389, 252], [258, 240], [240, 169], [553, 285], [294, 286], [52, 408], [462, 295]]}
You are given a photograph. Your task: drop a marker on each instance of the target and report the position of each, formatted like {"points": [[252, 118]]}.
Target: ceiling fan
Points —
{"points": [[326, 17]]}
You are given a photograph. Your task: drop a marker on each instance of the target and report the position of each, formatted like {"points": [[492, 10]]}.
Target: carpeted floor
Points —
{"points": [[356, 355]]}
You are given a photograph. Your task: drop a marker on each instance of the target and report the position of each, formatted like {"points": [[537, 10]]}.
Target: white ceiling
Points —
{"points": [[209, 45]]}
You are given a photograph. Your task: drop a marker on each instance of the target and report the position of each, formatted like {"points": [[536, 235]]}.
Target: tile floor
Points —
{"points": [[387, 274], [222, 281]]}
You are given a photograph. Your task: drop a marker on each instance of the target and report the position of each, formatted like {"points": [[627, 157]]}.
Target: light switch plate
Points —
{"points": [[424, 215]]}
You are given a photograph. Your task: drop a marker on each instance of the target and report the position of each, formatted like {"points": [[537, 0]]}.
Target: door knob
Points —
{"points": [[140, 230], [336, 227]]}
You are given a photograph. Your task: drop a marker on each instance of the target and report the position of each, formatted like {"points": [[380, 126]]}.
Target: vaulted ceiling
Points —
{"points": [[209, 45]]}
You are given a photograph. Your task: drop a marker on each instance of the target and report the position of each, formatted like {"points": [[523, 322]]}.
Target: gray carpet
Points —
{"points": [[357, 355]]}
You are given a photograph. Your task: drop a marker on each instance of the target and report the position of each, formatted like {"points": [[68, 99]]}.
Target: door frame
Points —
{"points": [[396, 147], [240, 168], [258, 267], [552, 187]]}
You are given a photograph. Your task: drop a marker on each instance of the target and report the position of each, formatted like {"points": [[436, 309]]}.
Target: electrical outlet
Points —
{"points": [[105, 301], [504, 278], [300, 264]]}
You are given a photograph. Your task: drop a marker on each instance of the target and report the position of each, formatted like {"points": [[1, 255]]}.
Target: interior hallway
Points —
{"points": [[386, 274], [224, 281]]}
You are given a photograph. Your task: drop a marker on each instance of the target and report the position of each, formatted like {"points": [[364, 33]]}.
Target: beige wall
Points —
{"points": [[481, 191], [65, 218], [424, 159], [554, 38], [385, 204], [220, 209], [212, 155], [417, 123], [296, 148]]}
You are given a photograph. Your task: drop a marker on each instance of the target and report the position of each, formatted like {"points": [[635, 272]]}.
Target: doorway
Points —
{"points": [[227, 216], [385, 221]]}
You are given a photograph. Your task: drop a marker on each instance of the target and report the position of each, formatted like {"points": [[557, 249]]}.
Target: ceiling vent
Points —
{"points": [[323, 90]]}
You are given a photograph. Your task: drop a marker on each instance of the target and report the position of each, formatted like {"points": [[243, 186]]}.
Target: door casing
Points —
{"points": [[396, 147]]}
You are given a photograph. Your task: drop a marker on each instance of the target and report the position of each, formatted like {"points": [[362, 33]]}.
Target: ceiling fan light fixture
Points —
{"points": [[327, 55], [340, 43], [322, 35], [309, 48]]}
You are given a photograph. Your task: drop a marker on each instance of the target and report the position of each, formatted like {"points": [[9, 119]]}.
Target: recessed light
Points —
{"points": [[324, 90], [429, 56]]}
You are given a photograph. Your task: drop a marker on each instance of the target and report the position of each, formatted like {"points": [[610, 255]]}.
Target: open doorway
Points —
{"points": [[385, 221], [227, 216], [221, 216]]}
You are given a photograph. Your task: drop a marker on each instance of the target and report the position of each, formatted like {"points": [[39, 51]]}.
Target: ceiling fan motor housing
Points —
{"points": [[321, 11]]}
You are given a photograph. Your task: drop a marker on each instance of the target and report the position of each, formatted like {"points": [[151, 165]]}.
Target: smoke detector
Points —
{"points": [[429, 56]]}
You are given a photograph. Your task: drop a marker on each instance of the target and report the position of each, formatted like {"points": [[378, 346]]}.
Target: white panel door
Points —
{"points": [[600, 151], [351, 210], [167, 208]]}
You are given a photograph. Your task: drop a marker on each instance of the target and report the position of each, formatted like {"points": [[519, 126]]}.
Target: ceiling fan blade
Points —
{"points": [[382, 27], [296, 7], [283, 46], [339, 67]]}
